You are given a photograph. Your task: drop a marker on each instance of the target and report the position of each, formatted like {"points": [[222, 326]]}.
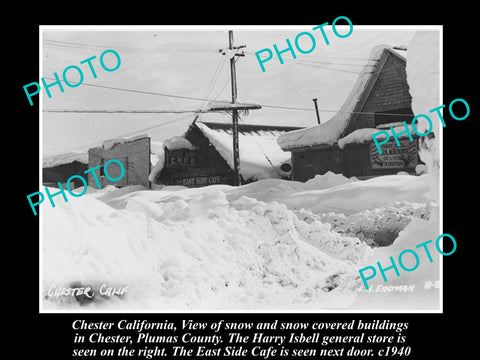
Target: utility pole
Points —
{"points": [[234, 106], [236, 155], [316, 110]]}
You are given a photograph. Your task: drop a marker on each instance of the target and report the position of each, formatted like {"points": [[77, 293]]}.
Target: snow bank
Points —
{"points": [[424, 295], [219, 247], [278, 190], [378, 227], [329, 132], [204, 252], [347, 198], [327, 180]]}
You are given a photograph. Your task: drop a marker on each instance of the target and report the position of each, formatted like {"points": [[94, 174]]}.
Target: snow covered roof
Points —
{"points": [[330, 132], [110, 143], [365, 135], [65, 158], [178, 142], [260, 154]]}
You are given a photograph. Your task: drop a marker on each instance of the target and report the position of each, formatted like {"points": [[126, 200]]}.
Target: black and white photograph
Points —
{"points": [[243, 168]]}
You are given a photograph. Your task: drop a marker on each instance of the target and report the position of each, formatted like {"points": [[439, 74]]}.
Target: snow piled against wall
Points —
{"points": [[157, 159]]}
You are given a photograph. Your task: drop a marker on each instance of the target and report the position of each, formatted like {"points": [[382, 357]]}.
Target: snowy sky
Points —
{"points": [[183, 61]]}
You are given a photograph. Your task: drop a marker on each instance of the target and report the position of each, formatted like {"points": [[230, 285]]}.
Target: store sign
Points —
{"points": [[394, 156], [181, 157], [205, 180]]}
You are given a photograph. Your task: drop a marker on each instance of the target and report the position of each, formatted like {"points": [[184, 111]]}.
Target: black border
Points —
{"points": [[431, 335]]}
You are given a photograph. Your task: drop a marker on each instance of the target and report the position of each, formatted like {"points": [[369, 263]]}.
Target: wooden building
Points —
{"points": [[133, 153], [380, 99], [203, 155]]}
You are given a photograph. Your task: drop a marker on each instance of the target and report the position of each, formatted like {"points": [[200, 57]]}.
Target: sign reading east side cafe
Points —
{"points": [[394, 156], [204, 180]]}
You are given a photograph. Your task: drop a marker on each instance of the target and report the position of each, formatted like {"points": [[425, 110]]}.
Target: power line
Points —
{"points": [[207, 111], [323, 67], [330, 63], [71, 44], [88, 145], [144, 92], [214, 79], [334, 111], [223, 87], [325, 57], [68, 44], [263, 152], [200, 99], [122, 111], [181, 118], [312, 63]]}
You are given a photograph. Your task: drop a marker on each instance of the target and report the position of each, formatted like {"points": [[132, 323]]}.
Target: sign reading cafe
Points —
{"points": [[181, 157]]}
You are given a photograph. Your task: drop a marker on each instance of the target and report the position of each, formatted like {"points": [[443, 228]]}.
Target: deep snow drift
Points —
{"points": [[218, 247]]}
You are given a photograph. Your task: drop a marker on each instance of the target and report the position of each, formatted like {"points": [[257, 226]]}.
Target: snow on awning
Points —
{"points": [[363, 135], [228, 106], [260, 155]]}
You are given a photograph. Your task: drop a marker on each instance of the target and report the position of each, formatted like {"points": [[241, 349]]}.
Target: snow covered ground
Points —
{"points": [[254, 247]]}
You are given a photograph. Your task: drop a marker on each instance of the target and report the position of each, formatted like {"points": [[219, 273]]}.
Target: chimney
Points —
{"points": [[316, 110]]}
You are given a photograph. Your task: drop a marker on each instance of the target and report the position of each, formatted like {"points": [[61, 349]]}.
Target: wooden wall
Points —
{"points": [[359, 160], [192, 168], [51, 176], [134, 156]]}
